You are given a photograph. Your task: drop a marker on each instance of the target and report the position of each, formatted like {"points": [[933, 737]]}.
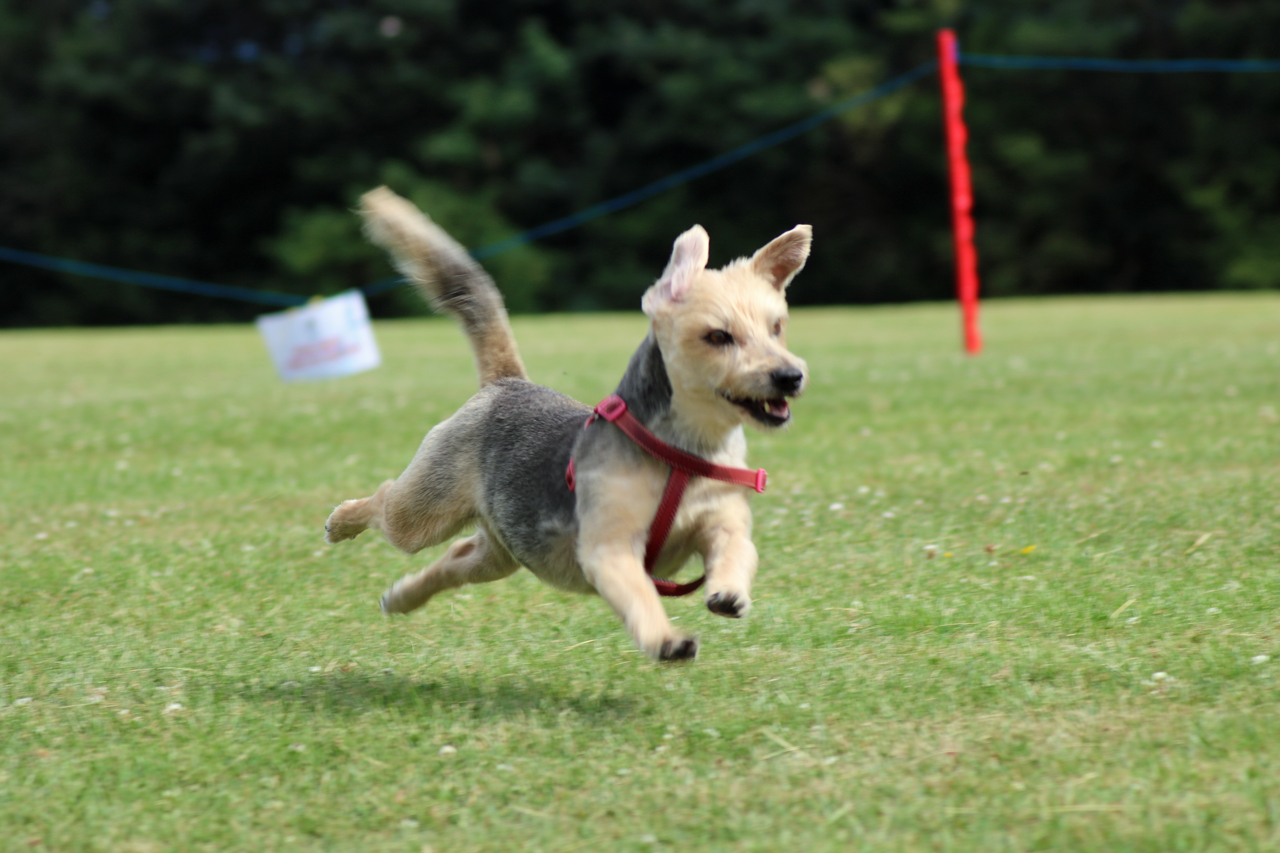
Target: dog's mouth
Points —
{"points": [[770, 411]]}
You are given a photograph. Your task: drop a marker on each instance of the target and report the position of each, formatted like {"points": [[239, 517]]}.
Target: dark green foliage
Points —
{"points": [[228, 141]]}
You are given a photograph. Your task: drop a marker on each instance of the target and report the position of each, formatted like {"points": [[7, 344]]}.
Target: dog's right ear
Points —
{"points": [[688, 258]]}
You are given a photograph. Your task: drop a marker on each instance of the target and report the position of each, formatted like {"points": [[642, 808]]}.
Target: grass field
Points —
{"points": [[1028, 601]]}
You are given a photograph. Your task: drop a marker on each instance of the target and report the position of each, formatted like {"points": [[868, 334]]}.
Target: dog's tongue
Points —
{"points": [[778, 408]]}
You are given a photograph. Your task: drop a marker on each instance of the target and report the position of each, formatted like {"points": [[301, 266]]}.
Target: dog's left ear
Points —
{"points": [[785, 255], [688, 258]]}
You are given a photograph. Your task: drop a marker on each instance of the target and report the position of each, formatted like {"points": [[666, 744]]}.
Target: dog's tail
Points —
{"points": [[448, 277]]}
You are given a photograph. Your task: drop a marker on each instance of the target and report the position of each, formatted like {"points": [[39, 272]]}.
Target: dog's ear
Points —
{"points": [[785, 255], [688, 258]]}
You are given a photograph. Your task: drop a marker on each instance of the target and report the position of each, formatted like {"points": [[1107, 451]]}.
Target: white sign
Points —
{"points": [[322, 340]]}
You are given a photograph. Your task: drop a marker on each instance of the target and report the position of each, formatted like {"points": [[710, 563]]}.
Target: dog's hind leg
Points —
{"points": [[476, 559], [353, 517], [430, 502], [410, 513], [406, 516]]}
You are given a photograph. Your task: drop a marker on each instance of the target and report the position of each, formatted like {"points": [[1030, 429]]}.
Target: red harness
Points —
{"points": [[683, 466]]}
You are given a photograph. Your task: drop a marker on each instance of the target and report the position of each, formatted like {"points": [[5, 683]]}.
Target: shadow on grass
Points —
{"points": [[355, 693]]}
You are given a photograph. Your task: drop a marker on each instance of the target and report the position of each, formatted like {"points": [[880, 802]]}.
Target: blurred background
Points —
{"points": [[228, 141]]}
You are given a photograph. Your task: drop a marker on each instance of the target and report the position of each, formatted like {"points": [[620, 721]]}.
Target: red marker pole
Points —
{"points": [[961, 189]]}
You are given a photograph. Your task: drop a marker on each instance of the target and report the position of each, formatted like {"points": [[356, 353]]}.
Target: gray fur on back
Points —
{"points": [[527, 434], [526, 438]]}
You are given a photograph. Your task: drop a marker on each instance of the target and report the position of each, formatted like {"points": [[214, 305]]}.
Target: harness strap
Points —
{"points": [[661, 526], [684, 466], [614, 410]]}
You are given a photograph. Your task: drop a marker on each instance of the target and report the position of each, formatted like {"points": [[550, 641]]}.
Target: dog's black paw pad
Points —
{"points": [[685, 649], [726, 604]]}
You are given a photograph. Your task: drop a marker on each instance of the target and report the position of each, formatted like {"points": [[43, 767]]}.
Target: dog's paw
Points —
{"points": [[732, 604], [340, 527], [392, 604], [678, 648]]}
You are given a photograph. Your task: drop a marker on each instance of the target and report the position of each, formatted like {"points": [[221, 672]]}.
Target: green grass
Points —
{"points": [[1101, 489]]}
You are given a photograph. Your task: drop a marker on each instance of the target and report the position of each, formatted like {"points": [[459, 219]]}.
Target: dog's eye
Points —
{"points": [[777, 328], [718, 338]]}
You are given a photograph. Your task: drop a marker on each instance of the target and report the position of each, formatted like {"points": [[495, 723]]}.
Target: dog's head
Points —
{"points": [[723, 333]]}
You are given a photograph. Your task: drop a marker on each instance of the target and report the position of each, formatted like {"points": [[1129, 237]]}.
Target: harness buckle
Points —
{"points": [[611, 408], [762, 477]]}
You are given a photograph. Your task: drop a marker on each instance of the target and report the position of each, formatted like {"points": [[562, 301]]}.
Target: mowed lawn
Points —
{"points": [[1025, 601]]}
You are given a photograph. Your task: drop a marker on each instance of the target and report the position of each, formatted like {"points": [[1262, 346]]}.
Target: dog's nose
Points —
{"points": [[787, 380]]}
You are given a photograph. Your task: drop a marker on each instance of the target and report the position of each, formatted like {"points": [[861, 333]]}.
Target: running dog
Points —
{"points": [[575, 505]]}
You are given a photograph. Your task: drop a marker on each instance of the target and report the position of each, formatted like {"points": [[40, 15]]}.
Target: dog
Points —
{"points": [[715, 358]]}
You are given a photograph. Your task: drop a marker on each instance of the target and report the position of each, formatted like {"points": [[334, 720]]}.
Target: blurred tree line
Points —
{"points": [[228, 141]]}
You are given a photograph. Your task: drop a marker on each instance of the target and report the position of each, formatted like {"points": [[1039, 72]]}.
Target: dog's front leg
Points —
{"points": [[615, 570], [730, 559], [616, 503]]}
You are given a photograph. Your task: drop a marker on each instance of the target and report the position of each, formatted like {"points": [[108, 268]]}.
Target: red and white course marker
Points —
{"points": [[961, 189]]}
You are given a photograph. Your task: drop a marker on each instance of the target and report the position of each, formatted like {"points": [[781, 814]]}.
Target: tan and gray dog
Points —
{"points": [[715, 358]]}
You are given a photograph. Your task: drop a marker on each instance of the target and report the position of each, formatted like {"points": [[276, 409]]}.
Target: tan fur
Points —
{"points": [[433, 261], [615, 510], [419, 508], [476, 559], [618, 493], [714, 522], [746, 299]]}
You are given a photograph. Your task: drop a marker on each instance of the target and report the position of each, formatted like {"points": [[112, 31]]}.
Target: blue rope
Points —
{"points": [[684, 176], [648, 191], [1143, 66], [146, 279]]}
